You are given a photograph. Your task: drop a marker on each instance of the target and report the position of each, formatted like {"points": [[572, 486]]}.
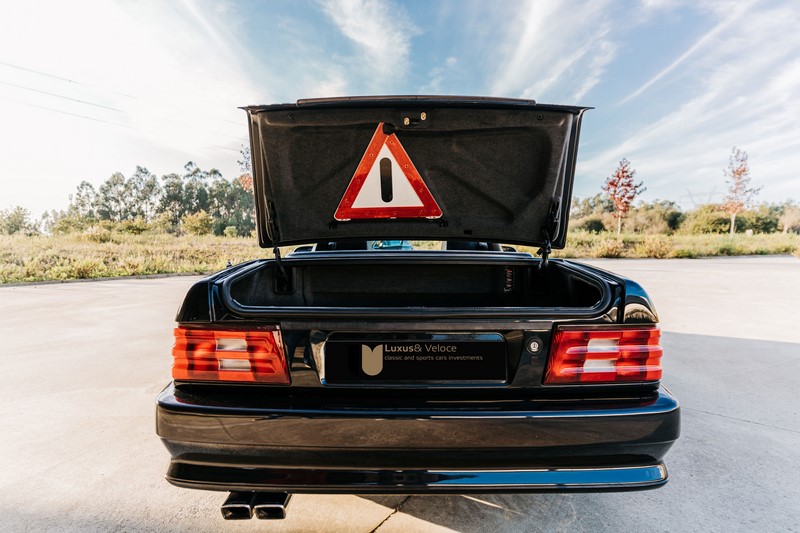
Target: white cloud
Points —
{"points": [[550, 54], [437, 76], [381, 32], [744, 88], [735, 14]]}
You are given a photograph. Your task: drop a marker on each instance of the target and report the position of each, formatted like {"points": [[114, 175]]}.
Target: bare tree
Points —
{"points": [[622, 189], [740, 194]]}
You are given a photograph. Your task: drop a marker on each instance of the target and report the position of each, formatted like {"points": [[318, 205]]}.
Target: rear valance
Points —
{"points": [[434, 168]]}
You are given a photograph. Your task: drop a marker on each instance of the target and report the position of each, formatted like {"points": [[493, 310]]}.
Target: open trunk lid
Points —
{"points": [[429, 168]]}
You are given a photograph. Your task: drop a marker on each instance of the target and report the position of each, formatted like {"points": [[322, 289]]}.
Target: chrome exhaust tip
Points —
{"points": [[271, 505], [238, 506]]}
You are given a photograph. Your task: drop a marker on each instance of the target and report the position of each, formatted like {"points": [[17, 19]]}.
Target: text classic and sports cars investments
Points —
{"points": [[404, 345]]}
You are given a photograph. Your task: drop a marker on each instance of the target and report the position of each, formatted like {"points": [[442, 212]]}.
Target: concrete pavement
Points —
{"points": [[82, 364]]}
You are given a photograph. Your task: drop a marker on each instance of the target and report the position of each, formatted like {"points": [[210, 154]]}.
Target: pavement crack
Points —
{"points": [[396, 509], [741, 419]]}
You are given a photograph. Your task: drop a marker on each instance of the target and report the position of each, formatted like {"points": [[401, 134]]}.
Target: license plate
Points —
{"points": [[470, 358]]}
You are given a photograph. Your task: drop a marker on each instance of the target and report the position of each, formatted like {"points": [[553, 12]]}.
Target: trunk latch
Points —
{"points": [[416, 119]]}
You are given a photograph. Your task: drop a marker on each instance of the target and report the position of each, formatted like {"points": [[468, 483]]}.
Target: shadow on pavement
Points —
{"points": [[740, 432]]}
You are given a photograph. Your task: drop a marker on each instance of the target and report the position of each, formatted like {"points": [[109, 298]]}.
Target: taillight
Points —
{"points": [[243, 355], [604, 354]]}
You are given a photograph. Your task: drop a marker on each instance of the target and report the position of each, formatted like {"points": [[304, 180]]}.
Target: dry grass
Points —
{"points": [[81, 256], [102, 253], [592, 245]]}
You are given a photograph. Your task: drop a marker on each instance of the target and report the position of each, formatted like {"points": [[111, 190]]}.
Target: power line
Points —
{"points": [[68, 80], [66, 112], [238, 138], [39, 72], [224, 147], [59, 96]]}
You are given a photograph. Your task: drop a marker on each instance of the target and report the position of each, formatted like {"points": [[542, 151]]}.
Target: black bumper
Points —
{"points": [[507, 446]]}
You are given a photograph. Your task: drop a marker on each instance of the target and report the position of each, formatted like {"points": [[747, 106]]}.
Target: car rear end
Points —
{"points": [[291, 406]]}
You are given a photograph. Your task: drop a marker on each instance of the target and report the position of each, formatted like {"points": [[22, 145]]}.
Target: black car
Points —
{"points": [[468, 368]]}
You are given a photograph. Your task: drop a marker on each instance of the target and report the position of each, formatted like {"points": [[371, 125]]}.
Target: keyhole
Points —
{"points": [[386, 179]]}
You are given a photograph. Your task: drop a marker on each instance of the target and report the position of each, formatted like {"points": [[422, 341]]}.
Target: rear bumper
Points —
{"points": [[508, 447]]}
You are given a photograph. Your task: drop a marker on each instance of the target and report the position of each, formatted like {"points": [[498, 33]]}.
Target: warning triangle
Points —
{"points": [[386, 185]]}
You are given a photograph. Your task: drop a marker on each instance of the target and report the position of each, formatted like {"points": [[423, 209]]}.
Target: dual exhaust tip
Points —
{"points": [[264, 505]]}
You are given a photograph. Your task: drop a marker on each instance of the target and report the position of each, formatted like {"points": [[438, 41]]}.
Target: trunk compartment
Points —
{"points": [[409, 282]]}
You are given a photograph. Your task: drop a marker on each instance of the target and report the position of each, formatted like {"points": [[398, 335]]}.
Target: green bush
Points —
{"points": [[610, 248], [762, 219], [137, 226], [659, 217], [592, 224], [97, 234], [230, 231], [708, 218], [199, 223], [69, 223], [685, 253], [654, 246], [162, 224]]}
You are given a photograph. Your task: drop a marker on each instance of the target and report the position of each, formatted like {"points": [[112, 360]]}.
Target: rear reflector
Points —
{"points": [[235, 355], [604, 354]]}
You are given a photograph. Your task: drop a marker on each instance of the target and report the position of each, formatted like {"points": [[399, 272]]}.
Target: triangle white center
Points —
{"points": [[403, 194]]}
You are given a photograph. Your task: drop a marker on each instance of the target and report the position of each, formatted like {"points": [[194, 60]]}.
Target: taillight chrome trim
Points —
{"points": [[604, 354]]}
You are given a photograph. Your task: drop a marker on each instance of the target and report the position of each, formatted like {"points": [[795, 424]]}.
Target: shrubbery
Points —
{"points": [[708, 218], [789, 221], [199, 223]]}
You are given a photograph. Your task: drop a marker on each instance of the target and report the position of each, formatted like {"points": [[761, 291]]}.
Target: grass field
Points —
{"points": [[108, 254], [585, 244], [80, 256]]}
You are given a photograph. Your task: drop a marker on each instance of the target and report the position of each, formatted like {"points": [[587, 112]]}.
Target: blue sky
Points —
{"points": [[107, 85]]}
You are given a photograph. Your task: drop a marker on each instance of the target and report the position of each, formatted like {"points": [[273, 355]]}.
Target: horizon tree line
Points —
{"points": [[203, 201], [622, 189]]}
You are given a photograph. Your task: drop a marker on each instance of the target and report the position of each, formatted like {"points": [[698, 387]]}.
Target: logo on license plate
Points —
{"points": [[372, 359]]}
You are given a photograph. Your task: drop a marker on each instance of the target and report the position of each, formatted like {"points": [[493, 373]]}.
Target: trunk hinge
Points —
{"points": [[548, 232], [283, 282]]}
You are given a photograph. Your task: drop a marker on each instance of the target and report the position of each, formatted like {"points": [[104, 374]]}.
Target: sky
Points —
{"points": [[89, 88]]}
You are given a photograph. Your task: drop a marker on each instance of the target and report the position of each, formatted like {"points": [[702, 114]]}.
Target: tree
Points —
{"points": [[172, 205], [622, 190], [740, 194], [195, 187], [245, 163], [82, 203], [111, 200], [17, 220], [144, 191], [594, 205]]}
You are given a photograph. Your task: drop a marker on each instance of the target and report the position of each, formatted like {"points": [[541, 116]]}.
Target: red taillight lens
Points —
{"points": [[229, 355], [604, 355]]}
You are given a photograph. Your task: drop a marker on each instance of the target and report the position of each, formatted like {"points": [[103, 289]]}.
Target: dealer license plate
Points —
{"points": [[404, 358]]}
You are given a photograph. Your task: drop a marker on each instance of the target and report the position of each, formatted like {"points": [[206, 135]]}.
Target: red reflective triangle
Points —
{"points": [[386, 184]]}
